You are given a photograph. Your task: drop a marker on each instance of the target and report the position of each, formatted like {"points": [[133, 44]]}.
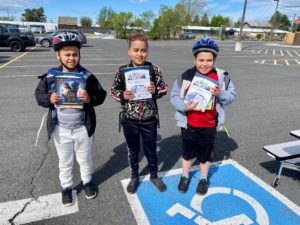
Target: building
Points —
{"points": [[252, 33], [66, 22], [35, 27]]}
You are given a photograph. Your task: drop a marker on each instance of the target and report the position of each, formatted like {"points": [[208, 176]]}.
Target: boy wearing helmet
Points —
{"points": [[140, 117], [198, 128], [72, 129]]}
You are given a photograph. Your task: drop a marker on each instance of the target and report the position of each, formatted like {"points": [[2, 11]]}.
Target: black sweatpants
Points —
{"points": [[133, 131]]}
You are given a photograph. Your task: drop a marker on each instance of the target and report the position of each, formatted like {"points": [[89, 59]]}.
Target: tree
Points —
{"points": [[138, 23], [280, 21], [179, 18], [188, 20], [166, 21], [237, 24], [86, 21], [204, 20], [7, 18], [105, 18], [156, 31], [193, 7], [196, 21], [121, 23], [218, 21], [147, 17], [34, 15]]}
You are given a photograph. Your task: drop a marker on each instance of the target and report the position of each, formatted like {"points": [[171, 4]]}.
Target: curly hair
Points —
{"points": [[139, 37]]}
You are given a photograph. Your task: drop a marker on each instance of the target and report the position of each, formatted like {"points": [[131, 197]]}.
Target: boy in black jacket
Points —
{"points": [[72, 128]]}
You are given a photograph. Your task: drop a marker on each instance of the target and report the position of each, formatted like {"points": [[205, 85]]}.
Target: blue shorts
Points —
{"points": [[198, 142]]}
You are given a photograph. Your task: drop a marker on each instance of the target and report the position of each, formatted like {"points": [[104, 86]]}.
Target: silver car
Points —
{"points": [[47, 40]]}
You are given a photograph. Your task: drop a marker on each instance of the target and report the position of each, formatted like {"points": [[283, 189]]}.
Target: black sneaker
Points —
{"points": [[202, 187], [132, 186], [67, 199], [183, 184], [159, 184], [90, 190]]}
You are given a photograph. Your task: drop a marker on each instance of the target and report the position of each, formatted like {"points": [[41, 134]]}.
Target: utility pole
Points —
{"points": [[293, 21], [274, 19], [238, 44]]}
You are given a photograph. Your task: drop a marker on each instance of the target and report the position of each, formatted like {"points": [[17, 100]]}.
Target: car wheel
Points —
{"points": [[45, 43], [16, 46]]}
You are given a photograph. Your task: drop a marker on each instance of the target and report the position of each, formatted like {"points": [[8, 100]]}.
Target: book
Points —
{"points": [[199, 92], [67, 86], [137, 80]]}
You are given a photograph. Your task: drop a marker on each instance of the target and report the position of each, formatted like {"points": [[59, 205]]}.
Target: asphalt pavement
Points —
{"points": [[265, 111]]}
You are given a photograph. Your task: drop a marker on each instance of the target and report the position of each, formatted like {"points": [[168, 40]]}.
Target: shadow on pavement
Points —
{"points": [[4, 59], [273, 167], [224, 145], [168, 154]]}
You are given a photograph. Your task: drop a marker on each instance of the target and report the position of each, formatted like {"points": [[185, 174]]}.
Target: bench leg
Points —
{"points": [[277, 178]]}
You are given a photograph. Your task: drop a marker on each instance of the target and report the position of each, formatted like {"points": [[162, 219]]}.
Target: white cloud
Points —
{"points": [[14, 6]]}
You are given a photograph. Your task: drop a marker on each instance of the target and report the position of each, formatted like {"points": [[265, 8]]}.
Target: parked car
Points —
{"points": [[188, 35], [47, 40], [13, 38]]}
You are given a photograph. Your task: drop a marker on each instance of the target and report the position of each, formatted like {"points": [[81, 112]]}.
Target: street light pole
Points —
{"points": [[238, 44]]}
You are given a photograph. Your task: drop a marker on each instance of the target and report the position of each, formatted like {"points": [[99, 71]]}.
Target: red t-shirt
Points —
{"points": [[204, 119]]}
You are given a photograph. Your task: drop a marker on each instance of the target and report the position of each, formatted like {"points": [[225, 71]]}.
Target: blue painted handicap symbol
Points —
{"points": [[235, 196]]}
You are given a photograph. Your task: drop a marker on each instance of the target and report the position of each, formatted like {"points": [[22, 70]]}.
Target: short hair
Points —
{"points": [[137, 37]]}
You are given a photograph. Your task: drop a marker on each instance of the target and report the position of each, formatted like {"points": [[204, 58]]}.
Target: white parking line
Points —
{"points": [[287, 62], [289, 53], [281, 52], [44, 207], [296, 53], [15, 58]]}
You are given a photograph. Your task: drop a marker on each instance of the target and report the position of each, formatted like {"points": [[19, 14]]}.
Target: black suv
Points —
{"points": [[13, 38]]}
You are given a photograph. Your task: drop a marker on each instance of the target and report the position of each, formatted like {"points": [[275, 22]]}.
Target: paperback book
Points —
{"points": [[68, 86], [199, 92], [137, 80]]}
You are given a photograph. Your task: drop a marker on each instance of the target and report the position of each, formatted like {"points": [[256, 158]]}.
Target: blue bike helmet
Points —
{"points": [[206, 45]]}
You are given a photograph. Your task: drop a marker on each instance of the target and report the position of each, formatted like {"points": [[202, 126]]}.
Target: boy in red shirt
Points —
{"points": [[198, 126]]}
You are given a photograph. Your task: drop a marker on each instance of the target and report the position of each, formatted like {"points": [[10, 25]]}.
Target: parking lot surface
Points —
{"points": [[265, 111]]}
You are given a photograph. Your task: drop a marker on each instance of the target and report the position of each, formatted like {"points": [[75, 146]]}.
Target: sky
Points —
{"points": [[256, 11]]}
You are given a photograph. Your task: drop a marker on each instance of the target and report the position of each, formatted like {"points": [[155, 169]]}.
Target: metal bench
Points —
{"points": [[287, 153]]}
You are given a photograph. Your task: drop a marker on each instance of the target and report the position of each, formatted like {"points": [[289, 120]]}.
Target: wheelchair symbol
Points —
{"points": [[261, 215]]}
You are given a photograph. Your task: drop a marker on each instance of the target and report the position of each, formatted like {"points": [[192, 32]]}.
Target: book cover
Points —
{"points": [[199, 92], [68, 85], [137, 80]]}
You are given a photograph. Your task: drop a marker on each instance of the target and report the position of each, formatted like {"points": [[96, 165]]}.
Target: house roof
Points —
{"points": [[258, 25]]}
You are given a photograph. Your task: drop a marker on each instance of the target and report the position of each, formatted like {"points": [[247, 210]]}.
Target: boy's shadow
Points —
{"points": [[168, 153], [117, 162], [224, 145]]}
